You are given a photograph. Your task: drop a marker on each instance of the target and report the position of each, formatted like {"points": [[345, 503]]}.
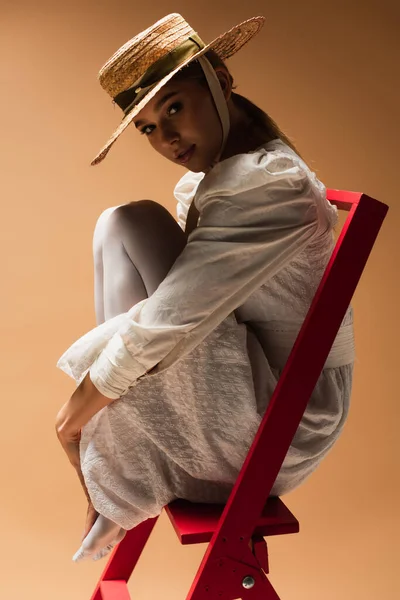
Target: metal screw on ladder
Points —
{"points": [[248, 582]]}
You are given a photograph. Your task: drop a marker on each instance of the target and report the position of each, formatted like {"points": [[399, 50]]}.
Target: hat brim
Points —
{"points": [[227, 43]]}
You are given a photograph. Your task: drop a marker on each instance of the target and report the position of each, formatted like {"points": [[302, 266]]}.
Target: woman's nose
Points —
{"points": [[169, 135]]}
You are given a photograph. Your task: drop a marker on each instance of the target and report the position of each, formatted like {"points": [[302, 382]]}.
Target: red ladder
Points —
{"points": [[230, 567]]}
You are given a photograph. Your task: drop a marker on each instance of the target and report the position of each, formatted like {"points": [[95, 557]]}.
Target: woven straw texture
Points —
{"points": [[131, 61]]}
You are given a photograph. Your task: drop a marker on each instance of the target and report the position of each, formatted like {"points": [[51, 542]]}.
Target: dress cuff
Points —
{"points": [[84, 352], [115, 370]]}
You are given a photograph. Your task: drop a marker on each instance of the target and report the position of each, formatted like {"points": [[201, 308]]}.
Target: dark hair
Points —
{"points": [[261, 119]]}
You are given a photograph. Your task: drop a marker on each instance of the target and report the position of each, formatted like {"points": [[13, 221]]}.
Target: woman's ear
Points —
{"points": [[224, 81]]}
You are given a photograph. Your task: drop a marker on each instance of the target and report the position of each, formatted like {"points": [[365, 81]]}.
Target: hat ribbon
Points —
{"points": [[127, 99]]}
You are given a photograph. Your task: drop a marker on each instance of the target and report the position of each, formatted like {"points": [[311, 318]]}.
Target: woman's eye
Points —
{"points": [[143, 131]]}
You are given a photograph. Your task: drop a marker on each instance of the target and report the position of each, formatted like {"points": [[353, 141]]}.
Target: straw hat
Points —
{"points": [[142, 66]]}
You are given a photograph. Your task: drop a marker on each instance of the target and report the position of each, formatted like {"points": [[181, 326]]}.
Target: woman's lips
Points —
{"points": [[186, 157]]}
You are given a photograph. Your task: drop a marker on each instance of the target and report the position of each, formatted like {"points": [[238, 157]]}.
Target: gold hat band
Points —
{"points": [[127, 99]]}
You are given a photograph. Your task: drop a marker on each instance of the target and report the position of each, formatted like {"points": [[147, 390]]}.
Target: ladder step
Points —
{"points": [[195, 523], [114, 590]]}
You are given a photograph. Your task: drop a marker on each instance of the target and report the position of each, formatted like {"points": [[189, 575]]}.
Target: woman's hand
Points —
{"points": [[85, 402], [70, 440], [70, 443]]}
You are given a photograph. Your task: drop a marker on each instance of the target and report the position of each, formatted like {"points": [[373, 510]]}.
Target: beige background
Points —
{"points": [[327, 72]]}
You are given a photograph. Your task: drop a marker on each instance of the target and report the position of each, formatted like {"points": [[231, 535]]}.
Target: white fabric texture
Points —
{"points": [[249, 271]]}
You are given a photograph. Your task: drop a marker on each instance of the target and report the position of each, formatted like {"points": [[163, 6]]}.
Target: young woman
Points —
{"points": [[196, 318]]}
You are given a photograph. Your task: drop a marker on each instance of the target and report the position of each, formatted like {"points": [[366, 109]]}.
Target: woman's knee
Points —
{"points": [[101, 228], [150, 236], [145, 220], [104, 221], [141, 212]]}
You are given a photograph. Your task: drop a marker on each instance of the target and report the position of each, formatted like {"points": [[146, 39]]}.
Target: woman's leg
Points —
{"points": [[134, 247], [98, 238]]}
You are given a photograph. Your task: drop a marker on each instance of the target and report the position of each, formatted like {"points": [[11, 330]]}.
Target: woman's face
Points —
{"points": [[188, 117]]}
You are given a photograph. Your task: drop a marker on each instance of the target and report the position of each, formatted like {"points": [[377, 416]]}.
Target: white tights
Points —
{"points": [[101, 539], [133, 250]]}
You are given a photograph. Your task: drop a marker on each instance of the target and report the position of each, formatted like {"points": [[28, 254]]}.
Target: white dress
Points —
{"points": [[215, 335]]}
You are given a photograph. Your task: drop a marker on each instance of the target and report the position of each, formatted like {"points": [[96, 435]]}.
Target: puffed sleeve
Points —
{"points": [[184, 193], [256, 212]]}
